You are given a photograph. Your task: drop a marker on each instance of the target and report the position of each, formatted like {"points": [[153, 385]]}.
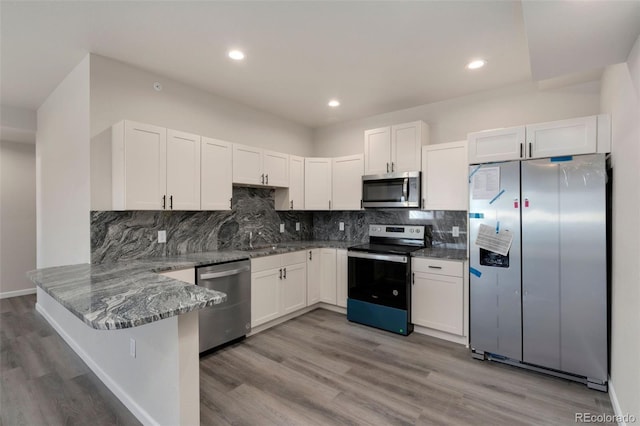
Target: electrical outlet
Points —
{"points": [[162, 236], [281, 228], [341, 226], [455, 231], [297, 226], [132, 347]]}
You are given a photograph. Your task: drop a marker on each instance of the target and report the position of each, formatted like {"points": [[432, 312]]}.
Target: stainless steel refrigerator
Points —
{"points": [[544, 304]]}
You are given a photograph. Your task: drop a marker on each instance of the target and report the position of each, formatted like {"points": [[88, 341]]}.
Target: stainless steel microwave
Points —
{"points": [[391, 190]]}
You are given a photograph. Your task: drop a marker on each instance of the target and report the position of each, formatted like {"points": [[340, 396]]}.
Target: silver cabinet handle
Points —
{"points": [[521, 149], [285, 273], [171, 202], [262, 178], [291, 204], [267, 179], [280, 273], [164, 202], [230, 203], [392, 165], [310, 255], [413, 278], [530, 150], [435, 267], [221, 274], [423, 203], [329, 204], [387, 167]]}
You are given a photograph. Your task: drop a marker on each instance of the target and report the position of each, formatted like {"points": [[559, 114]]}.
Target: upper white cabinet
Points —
{"points": [[444, 176], [317, 183], [183, 170], [395, 148], [347, 182], [215, 173], [292, 198], [254, 166], [154, 168], [584, 135]]}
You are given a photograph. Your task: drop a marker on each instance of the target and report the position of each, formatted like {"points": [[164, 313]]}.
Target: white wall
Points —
{"points": [[621, 98], [17, 217], [120, 91], [452, 119], [62, 172]]}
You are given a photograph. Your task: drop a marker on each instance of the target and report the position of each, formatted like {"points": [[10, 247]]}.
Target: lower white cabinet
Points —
{"points": [[328, 275], [313, 276], [342, 277], [438, 295], [278, 286]]}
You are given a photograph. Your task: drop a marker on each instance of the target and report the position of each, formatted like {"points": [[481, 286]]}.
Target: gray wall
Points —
{"points": [[17, 216]]}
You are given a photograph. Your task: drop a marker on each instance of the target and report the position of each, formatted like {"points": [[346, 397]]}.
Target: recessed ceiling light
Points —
{"points": [[334, 103], [236, 55], [478, 63]]}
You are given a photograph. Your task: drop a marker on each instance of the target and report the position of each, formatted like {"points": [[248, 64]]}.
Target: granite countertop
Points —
{"points": [[132, 293]]}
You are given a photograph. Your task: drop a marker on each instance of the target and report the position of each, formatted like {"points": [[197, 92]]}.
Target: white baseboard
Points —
{"points": [[16, 293], [616, 405], [135, 409]]}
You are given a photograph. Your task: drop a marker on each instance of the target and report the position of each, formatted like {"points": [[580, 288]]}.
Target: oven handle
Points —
{"points": [[374, 256]]}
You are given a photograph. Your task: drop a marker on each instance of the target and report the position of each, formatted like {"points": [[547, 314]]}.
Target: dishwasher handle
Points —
{"points": [[212, 275]]}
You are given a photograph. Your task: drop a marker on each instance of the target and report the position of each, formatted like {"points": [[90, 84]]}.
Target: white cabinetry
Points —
{"points": [[292, 198], [278, 286], [317, 183], [215, 173], [584, 135], [328, 275], [342, 277], [254, 166], [313, 276], [439, 296], [395, 148], [154, 169], [444, 176], [347, 182]]}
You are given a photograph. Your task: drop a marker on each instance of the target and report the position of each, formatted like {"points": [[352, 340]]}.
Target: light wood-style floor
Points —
{"points": [[316, 369]]}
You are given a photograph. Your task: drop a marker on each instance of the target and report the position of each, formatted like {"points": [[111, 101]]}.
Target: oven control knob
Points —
{"points": [[418, 231], [411, 230]]}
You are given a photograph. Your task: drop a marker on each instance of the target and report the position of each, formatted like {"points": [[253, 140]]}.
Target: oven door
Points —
{"points": [[381, 279]]}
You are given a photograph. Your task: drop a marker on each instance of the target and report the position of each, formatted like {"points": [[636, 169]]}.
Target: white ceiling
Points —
{"points": [[373, 56]]}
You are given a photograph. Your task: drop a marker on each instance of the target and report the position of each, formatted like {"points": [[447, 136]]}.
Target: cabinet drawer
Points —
{"points": [[438, 266], [295, 257], [267, 262]]}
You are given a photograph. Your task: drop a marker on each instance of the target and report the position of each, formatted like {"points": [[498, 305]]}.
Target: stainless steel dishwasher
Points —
{"points": [[230, 320]]}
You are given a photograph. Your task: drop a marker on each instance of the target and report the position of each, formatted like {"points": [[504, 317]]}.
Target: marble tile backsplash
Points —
{"points": [[126, 235]]}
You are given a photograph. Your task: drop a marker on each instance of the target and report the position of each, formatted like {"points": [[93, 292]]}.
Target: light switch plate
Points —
{"points": [[162, 236], [341, 226], [281, 228], [455, 231], [297, 226]]}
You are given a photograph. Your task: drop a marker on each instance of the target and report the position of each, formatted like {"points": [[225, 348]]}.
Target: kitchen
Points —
{"points": [[111, 91]]}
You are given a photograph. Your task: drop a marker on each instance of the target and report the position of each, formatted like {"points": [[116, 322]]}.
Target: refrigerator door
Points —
{"points": [[564, 282], [495, 289]]}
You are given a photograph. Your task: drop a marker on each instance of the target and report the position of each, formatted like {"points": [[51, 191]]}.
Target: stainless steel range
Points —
{"points": [[380, 277]]}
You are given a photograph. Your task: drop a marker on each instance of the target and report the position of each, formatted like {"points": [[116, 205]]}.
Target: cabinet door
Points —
{"points": [[317, 183], [406, 146], [445, 176], [294, 288], [265, 296], [247, 165], [347, 182], [565, 137], [292, 198], [377, 151], [313, 276], [342, 277], [145, 166], [328, 288], [183, 170], [496, 145], [437, 302], [276, 169], [215, 172]]}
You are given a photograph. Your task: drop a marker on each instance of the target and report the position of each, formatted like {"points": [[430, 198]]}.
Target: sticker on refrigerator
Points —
{"points": [[494, 239], [485, 183]]}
